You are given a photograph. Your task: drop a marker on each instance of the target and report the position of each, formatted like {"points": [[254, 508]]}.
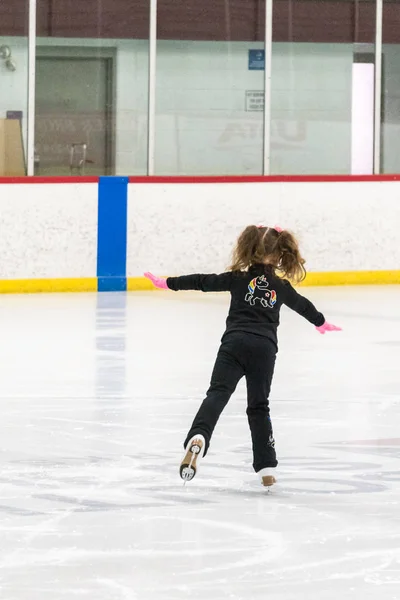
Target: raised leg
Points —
{"points": [[225, 377]]}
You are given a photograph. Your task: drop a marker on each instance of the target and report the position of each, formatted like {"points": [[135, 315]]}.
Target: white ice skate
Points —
{"points": [[267, 476], [193, 453]]}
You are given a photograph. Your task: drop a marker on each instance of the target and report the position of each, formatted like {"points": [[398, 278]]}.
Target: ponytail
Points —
{"points": [[290, 262]]}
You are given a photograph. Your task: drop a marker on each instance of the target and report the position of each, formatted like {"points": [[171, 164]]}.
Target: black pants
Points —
{"points": [[252, 356]]}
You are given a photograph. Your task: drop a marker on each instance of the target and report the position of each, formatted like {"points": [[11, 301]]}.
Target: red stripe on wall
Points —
{"points": [[213, 179], [49, 179], [270, 179]]}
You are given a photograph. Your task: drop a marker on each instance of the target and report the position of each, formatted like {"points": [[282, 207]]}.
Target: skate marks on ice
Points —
{"points": [[116, 527], [110, 484], [227, 546]]}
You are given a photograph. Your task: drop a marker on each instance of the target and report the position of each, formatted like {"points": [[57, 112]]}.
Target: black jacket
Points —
{"points": [[256, 298]]}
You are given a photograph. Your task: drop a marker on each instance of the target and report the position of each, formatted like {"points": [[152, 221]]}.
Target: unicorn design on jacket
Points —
{"points": [[259, 290]]}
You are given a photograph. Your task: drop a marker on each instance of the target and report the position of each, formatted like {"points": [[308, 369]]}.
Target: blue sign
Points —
{"points": [[256, 60]]}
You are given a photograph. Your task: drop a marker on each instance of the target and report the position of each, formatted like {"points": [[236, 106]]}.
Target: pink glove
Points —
{"points": [[327, 327], [158, 282]]}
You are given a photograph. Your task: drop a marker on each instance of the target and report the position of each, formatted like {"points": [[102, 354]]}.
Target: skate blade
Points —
{"points": [[187, 474]]}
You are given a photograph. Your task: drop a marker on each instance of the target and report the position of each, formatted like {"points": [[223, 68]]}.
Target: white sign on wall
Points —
{"points": [[254, 100]]}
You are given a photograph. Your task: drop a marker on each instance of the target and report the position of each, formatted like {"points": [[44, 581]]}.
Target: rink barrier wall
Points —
{"points": [[121, 226]]}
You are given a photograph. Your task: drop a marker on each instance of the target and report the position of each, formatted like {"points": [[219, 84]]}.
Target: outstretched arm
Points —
{"points": [[203, 283], [306, 309]]}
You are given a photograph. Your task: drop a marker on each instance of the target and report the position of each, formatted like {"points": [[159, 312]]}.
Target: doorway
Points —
{"points": [[74, 123]]}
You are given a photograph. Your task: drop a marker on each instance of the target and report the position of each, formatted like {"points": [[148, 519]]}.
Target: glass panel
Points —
{"points": [[91, 88], [14, 17], [210, 84], [322, 86], [390, 157]]}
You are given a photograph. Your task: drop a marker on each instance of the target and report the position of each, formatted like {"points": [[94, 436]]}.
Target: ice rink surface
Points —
{"points": [[97, 392]]}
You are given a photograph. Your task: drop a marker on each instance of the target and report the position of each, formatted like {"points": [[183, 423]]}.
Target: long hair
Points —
{"points": [[279, 249]]}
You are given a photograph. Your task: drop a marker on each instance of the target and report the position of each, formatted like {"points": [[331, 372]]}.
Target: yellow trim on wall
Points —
{"points": [[352, 278], [141, 284], [30, 286]]}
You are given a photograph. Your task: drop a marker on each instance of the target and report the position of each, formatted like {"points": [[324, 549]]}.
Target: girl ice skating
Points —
{"points": [[264, 260]]}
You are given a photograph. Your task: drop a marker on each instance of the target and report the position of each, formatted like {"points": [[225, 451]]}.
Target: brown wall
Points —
{"points": [[294, 20], [13, 17]]}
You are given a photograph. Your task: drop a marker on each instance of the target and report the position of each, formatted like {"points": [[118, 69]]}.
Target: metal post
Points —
{"points": [[378, 87], [267, 87], [151, 123], [31, 88]]}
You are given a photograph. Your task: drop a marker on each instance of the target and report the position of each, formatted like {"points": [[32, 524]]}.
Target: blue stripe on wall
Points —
{"points": [[112, 234]]}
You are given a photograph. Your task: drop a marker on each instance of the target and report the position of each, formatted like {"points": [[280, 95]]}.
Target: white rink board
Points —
{"points": [[177, 228], [48, 230]]}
